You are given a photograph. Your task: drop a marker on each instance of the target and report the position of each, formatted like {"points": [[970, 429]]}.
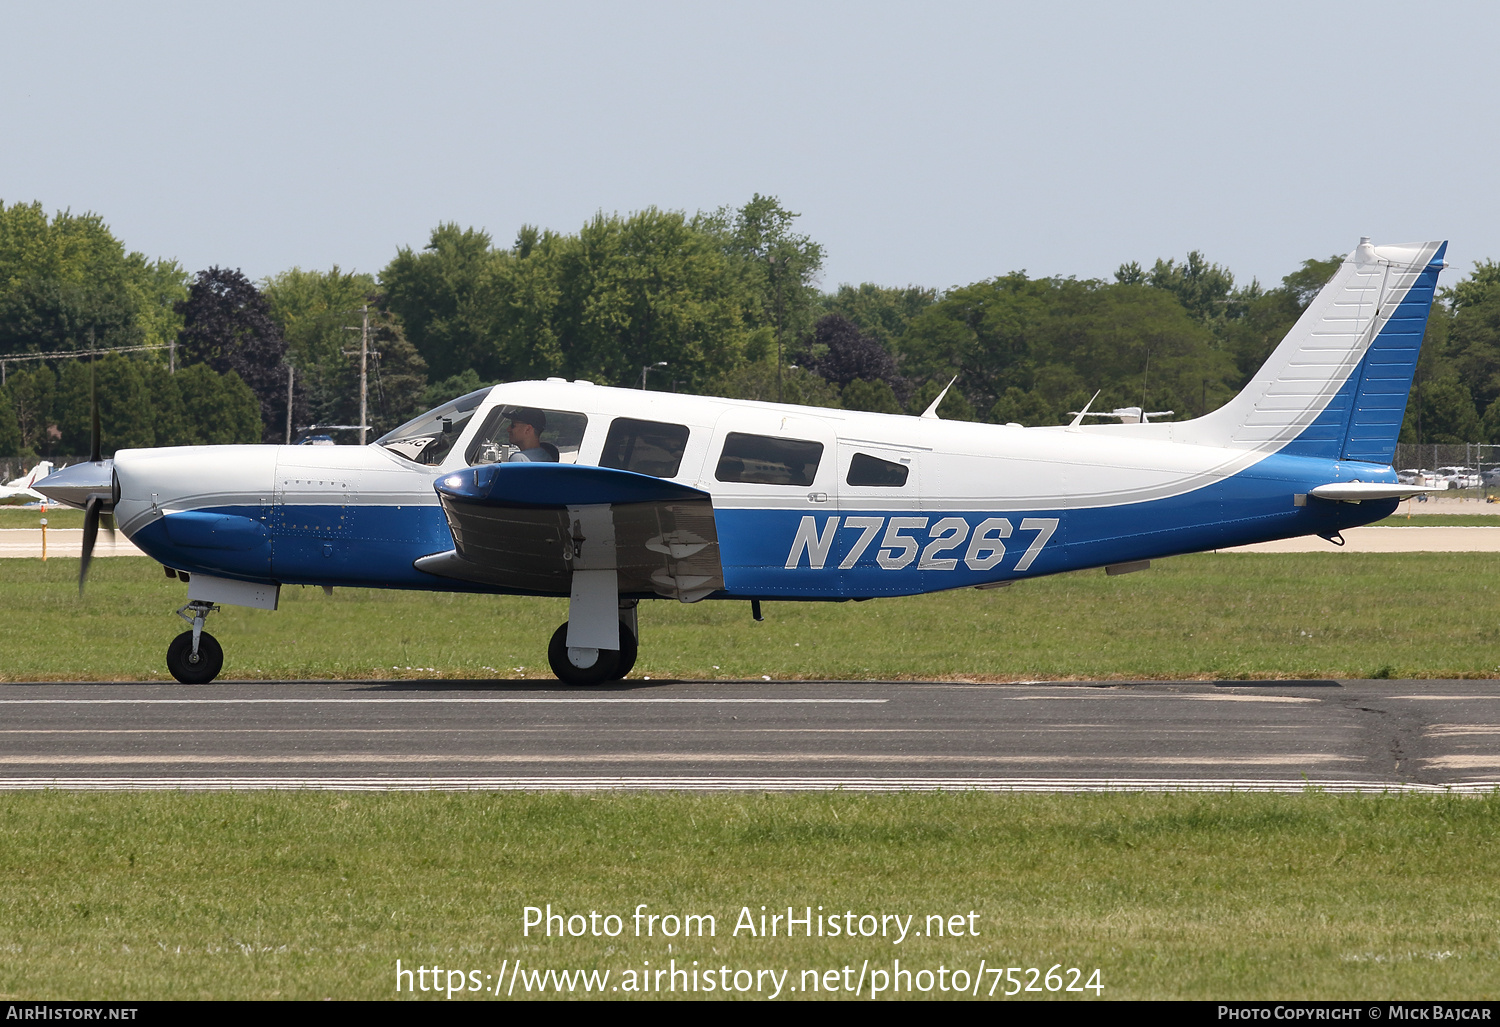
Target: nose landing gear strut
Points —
{"points": [[195, 657]]}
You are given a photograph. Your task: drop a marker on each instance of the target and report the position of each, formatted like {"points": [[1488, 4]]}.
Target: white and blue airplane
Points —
{"points": [[609, 496], [23, 487]]}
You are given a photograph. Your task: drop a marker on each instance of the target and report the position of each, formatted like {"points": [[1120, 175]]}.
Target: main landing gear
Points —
{"points": [[576, 665], [195, 657]]}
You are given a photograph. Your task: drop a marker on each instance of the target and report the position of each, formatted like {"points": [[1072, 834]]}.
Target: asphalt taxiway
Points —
{"points": [[1251, 736]]}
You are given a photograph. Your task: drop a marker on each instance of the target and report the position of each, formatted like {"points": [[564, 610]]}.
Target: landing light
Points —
{"points": [[453, 481]]}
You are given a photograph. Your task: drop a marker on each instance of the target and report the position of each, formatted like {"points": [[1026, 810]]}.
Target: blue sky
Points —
{"points": [[935, 144]]}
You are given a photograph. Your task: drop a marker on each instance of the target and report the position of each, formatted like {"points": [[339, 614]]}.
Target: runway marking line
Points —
{"points": [[1170, 695], [575, 758], [1446, 698]]}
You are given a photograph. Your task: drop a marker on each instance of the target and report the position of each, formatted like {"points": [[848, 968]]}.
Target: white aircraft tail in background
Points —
{"points": [[21, 487]]}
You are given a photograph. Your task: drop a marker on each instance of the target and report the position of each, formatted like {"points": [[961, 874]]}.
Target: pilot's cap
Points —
{"points": [[528, 415]]}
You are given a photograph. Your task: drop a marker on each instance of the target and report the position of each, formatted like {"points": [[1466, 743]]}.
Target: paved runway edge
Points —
{"points": [[736, 784]]}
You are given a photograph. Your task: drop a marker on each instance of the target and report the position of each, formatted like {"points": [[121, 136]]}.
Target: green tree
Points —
{"points": [[319, 313], [219, 409], [67, 283], [877, 397], [125, 411], [31, 392], [1018, 407], [1202, 287], [1444, 408], [168, 415], [880, 311], [1058, 340], [1472, 341], [757, 380], [10, 431], [437, 295], [777, 270], [452, 387], [648, 288], [227, 324]]}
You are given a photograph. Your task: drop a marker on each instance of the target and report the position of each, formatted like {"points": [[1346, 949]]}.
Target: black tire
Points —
{"points": [[190, 670], [557, 655], [628, 651]]}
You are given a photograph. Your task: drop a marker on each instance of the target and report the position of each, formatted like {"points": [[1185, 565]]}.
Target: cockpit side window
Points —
{"points": [[871, 470], [768, 460], [646, 447], [428, 438], [517, 434]]}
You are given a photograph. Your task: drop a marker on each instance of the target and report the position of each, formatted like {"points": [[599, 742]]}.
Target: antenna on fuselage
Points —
{"points": [[931, 411], [1078, 418]]}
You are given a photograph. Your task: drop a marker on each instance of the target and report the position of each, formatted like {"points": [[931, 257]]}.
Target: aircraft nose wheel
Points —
{"points": [[591, 666], [195, 657], [195, 668]]}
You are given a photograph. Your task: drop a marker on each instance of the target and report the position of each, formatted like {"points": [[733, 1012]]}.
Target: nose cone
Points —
{"points": [[74, 485]]}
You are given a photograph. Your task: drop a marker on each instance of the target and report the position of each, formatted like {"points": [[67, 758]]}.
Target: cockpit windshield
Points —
{"points": [[428, 438]]}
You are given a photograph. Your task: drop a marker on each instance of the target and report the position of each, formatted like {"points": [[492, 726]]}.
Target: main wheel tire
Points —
{"points": [[628, 651], [600, 671], [195, 670]]}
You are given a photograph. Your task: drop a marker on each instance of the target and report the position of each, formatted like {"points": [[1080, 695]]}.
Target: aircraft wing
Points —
{"points": [[528, 526]]}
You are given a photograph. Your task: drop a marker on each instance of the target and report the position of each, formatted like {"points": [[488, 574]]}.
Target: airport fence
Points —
{"points": [[1478, 458]]}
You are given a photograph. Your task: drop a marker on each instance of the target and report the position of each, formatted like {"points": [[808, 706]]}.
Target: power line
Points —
{"points": [[71, 354]]}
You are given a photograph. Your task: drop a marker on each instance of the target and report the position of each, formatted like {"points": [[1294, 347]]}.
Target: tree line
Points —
{"points": [[727, 302]]}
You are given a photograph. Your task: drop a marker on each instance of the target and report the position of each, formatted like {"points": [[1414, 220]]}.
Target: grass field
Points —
{"points": [[1169, 896], [307, 895], [1207, 616], [57, 517]]}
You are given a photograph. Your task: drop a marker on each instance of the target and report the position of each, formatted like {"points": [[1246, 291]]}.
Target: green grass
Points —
{"points": [[57, 517], [1207, 616], [311, 895]]}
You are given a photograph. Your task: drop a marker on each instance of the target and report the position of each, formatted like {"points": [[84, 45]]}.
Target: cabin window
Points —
{"points": [[766, 460], [428, 438], [645, 447], [521, 434], [871, 470]]}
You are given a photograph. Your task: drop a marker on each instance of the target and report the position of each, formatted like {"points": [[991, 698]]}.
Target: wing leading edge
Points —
{"points": [[531, 526]]}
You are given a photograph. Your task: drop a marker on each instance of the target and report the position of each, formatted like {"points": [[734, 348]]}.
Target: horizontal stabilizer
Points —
{"points": [[1359, 491]]}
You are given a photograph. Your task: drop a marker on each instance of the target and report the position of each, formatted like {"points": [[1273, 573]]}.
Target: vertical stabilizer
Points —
{"points": [[1337, 385]]}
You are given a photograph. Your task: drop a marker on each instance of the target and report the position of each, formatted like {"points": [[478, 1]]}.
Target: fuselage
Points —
{"points": [[876, 505]]}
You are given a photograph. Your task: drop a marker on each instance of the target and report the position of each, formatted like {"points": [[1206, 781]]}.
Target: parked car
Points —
{"points": [[1459, 477]]}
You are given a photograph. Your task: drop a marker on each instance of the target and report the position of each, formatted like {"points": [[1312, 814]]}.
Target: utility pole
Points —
{"points": [[364, 376], [290, 374], [771, 259], [364, 372]]}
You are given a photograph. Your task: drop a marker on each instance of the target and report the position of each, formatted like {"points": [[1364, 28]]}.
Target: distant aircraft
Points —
{"points": [[22, 487], [609, 496]]}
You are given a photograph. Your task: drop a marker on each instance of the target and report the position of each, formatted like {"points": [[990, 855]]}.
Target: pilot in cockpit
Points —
{"points": [[526, 425]]}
